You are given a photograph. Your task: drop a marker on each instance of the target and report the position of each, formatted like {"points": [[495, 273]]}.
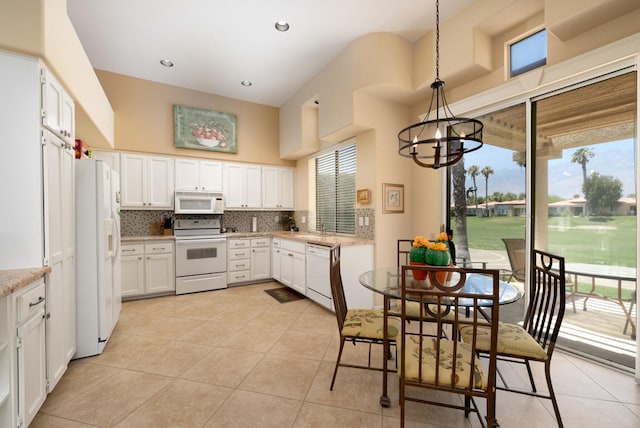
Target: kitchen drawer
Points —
{"points": [[260, 242], [133, 250], [275, 242], [240, 276], [236, 254], [238, 243], [236, 265], [294, 246], [158, 248], [30, 302]]}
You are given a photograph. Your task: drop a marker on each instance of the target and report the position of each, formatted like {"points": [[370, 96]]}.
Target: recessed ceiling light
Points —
{"points": [[246, 83], [166, 63], [282, 26]]}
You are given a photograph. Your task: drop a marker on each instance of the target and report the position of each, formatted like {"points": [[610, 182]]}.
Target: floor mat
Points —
{"points": [[284, 294]]}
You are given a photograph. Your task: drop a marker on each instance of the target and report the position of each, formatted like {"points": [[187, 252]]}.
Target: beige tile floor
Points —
{"points": [[238, 358]]}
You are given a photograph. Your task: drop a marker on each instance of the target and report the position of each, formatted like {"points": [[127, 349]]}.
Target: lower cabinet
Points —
{"points": [[29, 311], [6, 351], [293, 265], [148, 269], [248, 259]]}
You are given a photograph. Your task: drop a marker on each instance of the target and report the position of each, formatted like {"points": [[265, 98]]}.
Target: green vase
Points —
{"points": [[437, 258], [417, 254]]}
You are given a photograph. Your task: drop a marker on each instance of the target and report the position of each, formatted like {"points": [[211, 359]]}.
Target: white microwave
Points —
{"points": [[189, 202]]}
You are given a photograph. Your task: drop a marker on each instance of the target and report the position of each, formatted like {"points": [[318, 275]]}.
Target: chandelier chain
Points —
{"points": [[437, 39]]}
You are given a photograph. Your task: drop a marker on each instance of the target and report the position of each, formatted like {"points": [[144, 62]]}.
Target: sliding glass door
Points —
{"points": [[584, 178]]}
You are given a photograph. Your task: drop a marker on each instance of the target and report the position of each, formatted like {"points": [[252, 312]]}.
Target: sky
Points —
{"points": [[615, 159]]}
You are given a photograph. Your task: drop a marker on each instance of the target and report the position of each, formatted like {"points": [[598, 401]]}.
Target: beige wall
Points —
{"points": [[41, 28], [144, 120]]}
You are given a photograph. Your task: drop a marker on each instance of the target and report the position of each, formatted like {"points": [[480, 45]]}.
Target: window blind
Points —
{"points": [[336, 191]]}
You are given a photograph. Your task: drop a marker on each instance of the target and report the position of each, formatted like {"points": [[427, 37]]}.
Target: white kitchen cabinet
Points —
{"points": [[146, 182], [242, 186], [110, 158], [193, 174], [6, 351], [238, 261], [147, 269], [260, 259], [293, 265], [275, 259], [29, 307], [278, 188], [60, 248], [58, 109]]}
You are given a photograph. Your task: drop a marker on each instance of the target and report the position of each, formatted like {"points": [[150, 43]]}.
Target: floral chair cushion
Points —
{"points": [[413, 310], [512, 340], [463, 363], [369, 323]]}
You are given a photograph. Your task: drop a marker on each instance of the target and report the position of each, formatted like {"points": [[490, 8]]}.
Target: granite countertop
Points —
{"points": [[310, 237], [148, 238], [14, 279]]}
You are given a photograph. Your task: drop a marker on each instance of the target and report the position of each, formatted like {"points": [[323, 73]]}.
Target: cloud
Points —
{"points": [[566, 173]]}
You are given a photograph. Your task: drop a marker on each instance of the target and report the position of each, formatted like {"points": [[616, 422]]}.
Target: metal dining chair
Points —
{"points": [[449, 365], [357, 325], [535, 339]]}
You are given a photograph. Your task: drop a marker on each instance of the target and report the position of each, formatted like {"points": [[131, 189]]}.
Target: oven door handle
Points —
{"points": [[200, 241]]}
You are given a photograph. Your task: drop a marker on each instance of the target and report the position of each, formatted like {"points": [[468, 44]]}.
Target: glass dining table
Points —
{"points": [[388, 282]]}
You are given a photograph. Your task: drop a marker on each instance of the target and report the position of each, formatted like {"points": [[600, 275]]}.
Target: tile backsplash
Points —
{"points": [[141, 223]]}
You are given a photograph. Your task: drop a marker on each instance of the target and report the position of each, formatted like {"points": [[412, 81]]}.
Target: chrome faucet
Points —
{"points": [[323, 229]]}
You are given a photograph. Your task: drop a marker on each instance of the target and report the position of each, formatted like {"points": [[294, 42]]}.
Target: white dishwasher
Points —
{"points": [[318, 284]]}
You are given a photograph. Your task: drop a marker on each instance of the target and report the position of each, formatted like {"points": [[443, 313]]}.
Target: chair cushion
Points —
{"points": [[463, 363], [413, 311], [368, 323], [512, 340]]}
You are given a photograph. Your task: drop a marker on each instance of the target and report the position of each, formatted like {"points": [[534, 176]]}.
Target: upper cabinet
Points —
{"points": [[58, 109], [146, 182], [193, 174], [278, 188], [242, 186]]}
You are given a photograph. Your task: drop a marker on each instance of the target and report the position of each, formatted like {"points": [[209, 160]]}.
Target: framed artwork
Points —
{"points": [[200, 129], [363, 196], [392, 198]]}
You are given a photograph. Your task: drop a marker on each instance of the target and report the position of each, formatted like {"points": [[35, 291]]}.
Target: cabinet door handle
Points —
{"points": [[40, 300]]}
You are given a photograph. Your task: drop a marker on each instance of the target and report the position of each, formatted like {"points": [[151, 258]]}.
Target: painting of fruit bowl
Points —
{"points": [[201, 129]]}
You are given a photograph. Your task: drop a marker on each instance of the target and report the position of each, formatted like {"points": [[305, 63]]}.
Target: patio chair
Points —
{"points": [[516, 253], [449, 365], [535, 340], [357, 325]]}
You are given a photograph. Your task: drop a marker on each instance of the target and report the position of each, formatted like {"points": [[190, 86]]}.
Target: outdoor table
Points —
{"points": [[388, 282], [617, 274]]}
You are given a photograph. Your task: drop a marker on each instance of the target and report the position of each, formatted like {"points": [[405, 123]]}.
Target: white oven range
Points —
{"points": [[201, 256]]}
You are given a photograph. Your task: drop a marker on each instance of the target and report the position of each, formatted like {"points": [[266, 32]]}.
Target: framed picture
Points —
{"points": [[392, 198], [363, 196], [200, 129]]}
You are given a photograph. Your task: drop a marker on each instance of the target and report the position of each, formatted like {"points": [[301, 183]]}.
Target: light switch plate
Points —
{"points": [[304, 219], [360, 221], [366, 221], [276, 219]]}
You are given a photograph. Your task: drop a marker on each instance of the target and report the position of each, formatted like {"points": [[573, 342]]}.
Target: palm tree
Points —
{"points": [[486, 171], [581, 157], [473, 172]]}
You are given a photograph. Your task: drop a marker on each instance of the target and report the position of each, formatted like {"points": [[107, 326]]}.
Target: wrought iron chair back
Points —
{"points": [[431, 361]]}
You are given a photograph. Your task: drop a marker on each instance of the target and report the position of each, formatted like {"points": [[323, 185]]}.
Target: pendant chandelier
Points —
{"points": [[434, 143]]}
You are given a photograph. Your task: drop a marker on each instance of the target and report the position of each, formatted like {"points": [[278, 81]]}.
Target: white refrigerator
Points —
{"points": [[99, 296]]}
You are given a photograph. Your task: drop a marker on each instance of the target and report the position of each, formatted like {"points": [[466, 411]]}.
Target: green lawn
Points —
{"points": [[608, 241]]}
